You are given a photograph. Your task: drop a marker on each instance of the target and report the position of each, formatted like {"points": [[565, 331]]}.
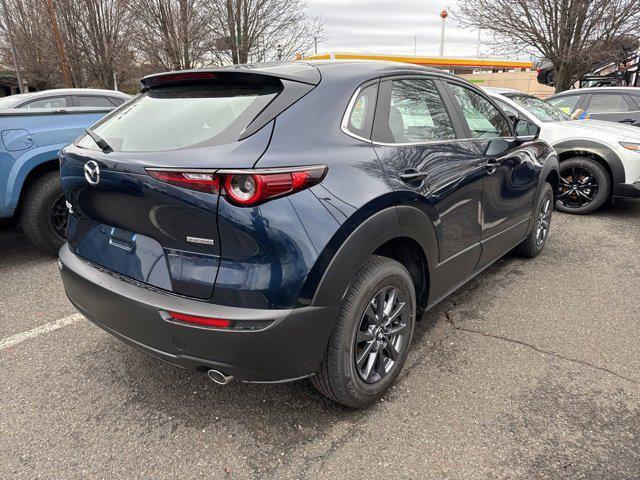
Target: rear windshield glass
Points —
{"points": [[180, 117]]}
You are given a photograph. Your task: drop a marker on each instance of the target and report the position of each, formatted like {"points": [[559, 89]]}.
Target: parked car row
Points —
{"points": [[599, 160], [270, 223]]}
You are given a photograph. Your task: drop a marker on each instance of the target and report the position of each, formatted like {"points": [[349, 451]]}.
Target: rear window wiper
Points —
{"points": [[100, 142]]}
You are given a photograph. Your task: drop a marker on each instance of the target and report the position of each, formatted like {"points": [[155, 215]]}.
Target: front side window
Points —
{"points": [[607, 103], [483, 118], [52, 102], [416, 114], [566, 103]]}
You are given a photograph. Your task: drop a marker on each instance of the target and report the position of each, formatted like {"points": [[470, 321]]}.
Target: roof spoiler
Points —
{"points": [[300, 72]]}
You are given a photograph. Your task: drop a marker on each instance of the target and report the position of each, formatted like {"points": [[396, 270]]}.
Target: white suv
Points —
{"points": [[599, 160]]}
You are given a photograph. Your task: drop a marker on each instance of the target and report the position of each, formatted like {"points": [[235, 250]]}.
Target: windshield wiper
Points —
{"points": [[100, 142]]}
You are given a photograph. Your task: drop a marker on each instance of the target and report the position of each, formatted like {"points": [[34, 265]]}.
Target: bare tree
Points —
{"points": [[34, 41], [174, 34], [100, 39], [573, 35], [263, 30], [105, 27]]}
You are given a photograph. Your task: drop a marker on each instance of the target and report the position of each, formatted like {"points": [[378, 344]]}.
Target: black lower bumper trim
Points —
{"points": [[627, 190], [291, 348]]}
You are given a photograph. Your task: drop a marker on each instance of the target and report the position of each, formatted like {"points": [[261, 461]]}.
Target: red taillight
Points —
{"points": [[202, 182], [245, 187], [206, 321]]}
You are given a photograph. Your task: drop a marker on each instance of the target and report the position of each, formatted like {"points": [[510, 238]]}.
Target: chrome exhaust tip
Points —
{"points": [[219, 377]]}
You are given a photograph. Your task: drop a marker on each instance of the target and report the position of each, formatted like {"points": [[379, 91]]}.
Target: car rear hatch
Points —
{"points": [[126, 217]]}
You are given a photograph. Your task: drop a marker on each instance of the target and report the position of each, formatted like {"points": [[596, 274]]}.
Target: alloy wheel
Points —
{"points": [[59, 216], [578, 187], [544, 220], [382, 334]]}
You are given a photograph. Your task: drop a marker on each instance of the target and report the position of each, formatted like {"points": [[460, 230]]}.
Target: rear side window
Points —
{"points": [[566, 103], [607, 103], [117, 101], [360, 119], [415, 114], [94, 101], [184, 116], [482, 117], [51, 102]]}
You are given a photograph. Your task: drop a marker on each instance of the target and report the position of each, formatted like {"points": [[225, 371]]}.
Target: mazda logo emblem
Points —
{"points": [[92, 172]]}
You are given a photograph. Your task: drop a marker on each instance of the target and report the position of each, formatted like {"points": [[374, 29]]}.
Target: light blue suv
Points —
{"points": [[33, 128]]}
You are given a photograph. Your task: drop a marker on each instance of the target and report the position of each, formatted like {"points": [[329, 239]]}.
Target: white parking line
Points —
{"points": [[34, 332]]}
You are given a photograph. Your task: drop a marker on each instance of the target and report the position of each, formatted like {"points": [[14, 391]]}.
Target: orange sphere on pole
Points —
{"points": [[444, 14]]}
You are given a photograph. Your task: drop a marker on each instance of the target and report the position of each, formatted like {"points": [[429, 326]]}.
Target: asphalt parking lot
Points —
{"points": [[530, 371]]}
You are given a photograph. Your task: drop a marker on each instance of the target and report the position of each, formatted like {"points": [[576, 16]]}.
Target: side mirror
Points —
{"points": [[512, 116], [525, 131]]}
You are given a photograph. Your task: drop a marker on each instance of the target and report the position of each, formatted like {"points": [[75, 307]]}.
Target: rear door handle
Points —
{"points": [[410, 175], [627, 120], [491, 165]]}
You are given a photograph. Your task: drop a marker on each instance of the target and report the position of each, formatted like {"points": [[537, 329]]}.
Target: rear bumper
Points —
{"points": [[290, 348], [627, 190]]}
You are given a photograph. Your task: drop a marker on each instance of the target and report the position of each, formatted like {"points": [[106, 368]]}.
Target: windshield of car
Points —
{"points": [[177, 117], [542, 110]]}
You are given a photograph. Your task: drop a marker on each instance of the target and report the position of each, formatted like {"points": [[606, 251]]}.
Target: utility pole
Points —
{"points": [[66, 71], [443, 14], [315, 45], [479, 43], [415, 44], [14, 52]]}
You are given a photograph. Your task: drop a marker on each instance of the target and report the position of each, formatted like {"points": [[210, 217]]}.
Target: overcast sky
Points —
{"points": [[384, 26]]}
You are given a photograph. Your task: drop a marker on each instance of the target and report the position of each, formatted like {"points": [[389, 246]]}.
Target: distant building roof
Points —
{"points": [[438, 62]]}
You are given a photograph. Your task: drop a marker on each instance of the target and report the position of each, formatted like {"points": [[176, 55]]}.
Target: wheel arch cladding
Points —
{"points": [[403, 233], [37, 172], [596, 151]]}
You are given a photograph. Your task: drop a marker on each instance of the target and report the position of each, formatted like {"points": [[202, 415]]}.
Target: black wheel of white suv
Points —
{"points": [[584, 186], [370, 340]]}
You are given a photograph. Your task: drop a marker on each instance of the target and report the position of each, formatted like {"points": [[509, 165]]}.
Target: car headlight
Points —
{"points": [[631, 146]]}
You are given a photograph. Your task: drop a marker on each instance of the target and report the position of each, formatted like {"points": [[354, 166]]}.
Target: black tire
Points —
{"points": [[537, 239], [577, 172], [338, 377], [37, 220]]}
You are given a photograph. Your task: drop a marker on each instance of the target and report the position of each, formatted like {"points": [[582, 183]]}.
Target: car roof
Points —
{"points": [[579, 91], [19, 98], [311, 71]]}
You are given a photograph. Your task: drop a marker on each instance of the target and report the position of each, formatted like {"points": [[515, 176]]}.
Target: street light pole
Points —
{"points": [[14, 53], [443, 14]]}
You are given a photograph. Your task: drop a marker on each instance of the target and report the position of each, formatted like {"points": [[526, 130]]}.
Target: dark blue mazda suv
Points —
{"points": [[275, 222]]}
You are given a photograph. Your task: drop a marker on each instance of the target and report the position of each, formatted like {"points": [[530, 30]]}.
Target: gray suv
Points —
{"points": [[615, 104]]}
